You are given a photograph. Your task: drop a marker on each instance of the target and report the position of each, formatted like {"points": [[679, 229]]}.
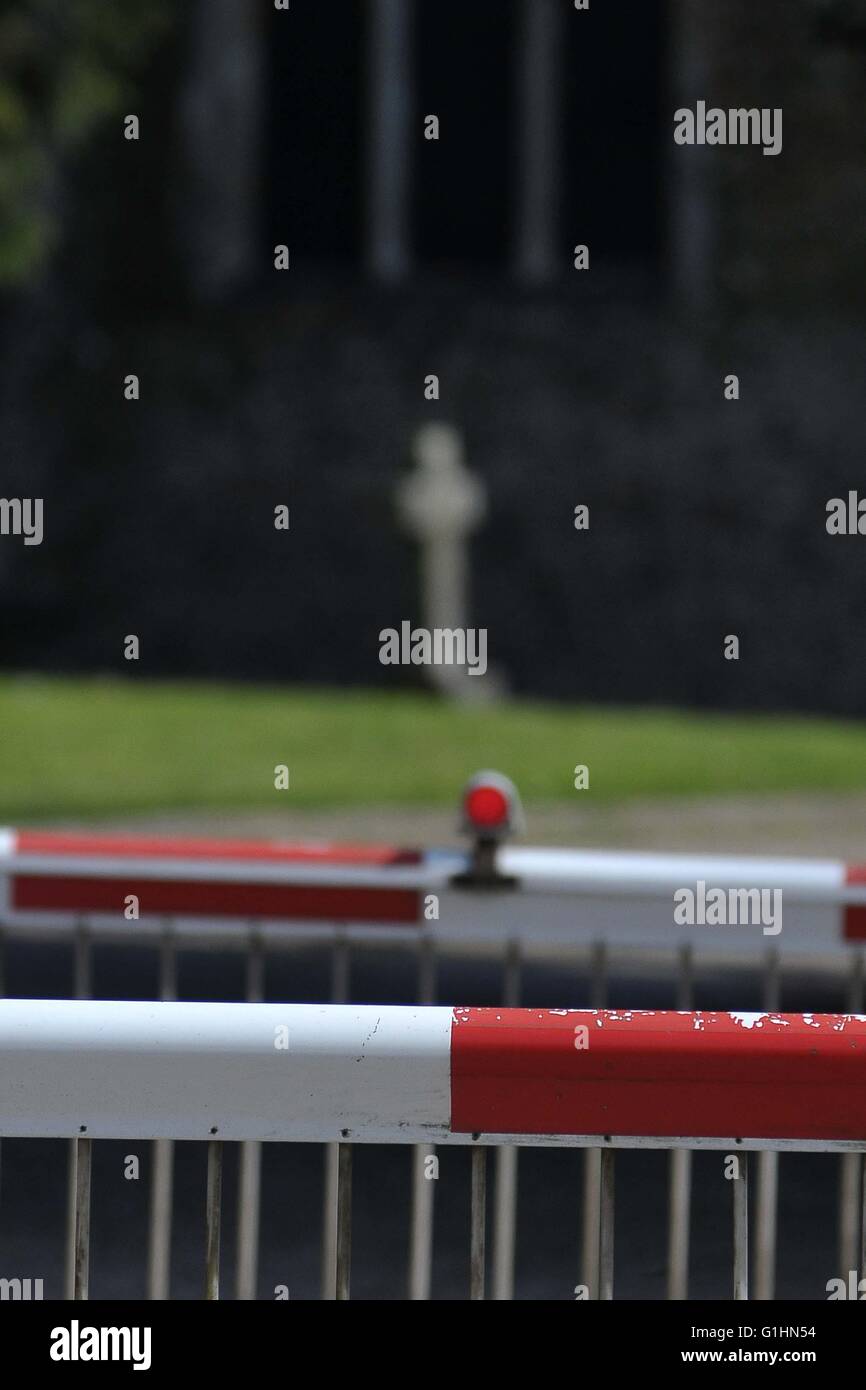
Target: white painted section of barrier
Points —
{"points": [[131, 1070], [597, 872]]}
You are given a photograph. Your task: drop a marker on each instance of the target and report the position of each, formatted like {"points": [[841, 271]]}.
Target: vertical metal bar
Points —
{"points": [[250, 1180], [390, 101], [329, 1221], [216, 227], [539, 94], [82, 989], [741, 1229], [478, 1220], [421, 1225], [851, 1166], [83, 961], [423, 1188], [591, 1219], [162, 1179], [680, 1189], [767, 1194], [339, 994], [592, 1157], [505, 1223], [693, 218], [679, 1223], [606, 1226], [213, 1219], [159, 1241], [850, 1173], [505, 1202], [71, 1190], [81, 1272], [766, 1219], [343, 1262], [862, 1261]]}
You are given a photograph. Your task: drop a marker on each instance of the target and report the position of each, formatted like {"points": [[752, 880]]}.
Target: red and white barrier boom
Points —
{"points": [[126, 886], [430, 1075]]}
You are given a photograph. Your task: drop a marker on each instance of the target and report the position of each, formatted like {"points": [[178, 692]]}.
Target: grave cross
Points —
{"points": [[441, 503]]}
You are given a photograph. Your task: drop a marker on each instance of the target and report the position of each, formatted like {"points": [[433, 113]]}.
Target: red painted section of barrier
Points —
{"points": [[854, 920], [624, 1073], [59, 843], [854, 927], [177, 898]]}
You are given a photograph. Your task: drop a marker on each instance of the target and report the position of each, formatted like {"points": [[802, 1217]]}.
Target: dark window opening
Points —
{"points": [[465, 76], [614, 131], [315, 135], [464, 187]]}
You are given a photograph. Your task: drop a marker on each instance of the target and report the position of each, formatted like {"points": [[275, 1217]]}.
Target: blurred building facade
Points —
{"points": [[455, 257], [541, 142]]}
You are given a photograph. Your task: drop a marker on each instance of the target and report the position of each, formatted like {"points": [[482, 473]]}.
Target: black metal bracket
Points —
{"points": [[483, 874]]}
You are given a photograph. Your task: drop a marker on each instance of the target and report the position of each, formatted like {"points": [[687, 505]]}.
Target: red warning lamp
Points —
{"points": [[491, 812], [491, 807], [486, 807]]}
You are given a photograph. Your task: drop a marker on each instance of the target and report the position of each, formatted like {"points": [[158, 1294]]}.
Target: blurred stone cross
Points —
{"points": [[441, 503]]}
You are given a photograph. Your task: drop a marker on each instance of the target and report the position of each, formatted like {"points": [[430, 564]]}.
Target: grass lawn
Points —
{"points": [[95, 747]]}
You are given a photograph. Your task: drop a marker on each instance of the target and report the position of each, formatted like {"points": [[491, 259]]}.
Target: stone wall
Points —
{"points": [[789, 228], [707, 516]]}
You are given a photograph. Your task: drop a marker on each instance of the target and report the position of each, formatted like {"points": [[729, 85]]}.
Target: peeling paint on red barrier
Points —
{"points": [[179, 897], [624, 1073], [39, 842]]}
